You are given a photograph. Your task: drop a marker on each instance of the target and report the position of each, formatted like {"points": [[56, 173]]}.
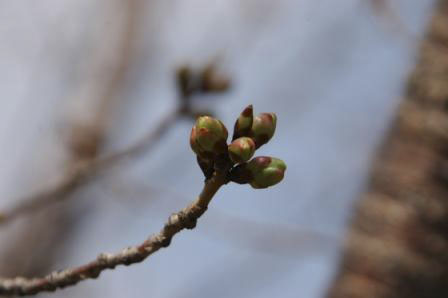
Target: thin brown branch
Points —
{"points": [[270, 238], [82, 171], [184, 219]]}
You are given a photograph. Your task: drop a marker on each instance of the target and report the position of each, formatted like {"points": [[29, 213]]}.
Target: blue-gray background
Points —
{"points": [[333, 71]]}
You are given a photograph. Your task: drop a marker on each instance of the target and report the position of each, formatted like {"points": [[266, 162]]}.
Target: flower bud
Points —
{"points": [[266, 171], [241, 150], [244, 123], [263, 128], [208, 137]]}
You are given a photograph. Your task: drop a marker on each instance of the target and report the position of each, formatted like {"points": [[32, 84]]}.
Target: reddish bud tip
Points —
{"points": [[244, 122], [208, 137], [266, 171], [263, 128], [241, 150]]}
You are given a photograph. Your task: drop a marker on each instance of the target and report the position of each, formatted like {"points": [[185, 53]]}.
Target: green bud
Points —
{"points": [[266, 171], [263, 128], [241, 150], [244, 123], [208, 137]]}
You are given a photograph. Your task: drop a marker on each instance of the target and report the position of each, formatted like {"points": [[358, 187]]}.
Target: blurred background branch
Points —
{"points": [[86, 141]]}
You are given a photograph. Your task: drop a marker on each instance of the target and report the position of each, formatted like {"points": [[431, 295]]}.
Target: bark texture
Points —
{"points": [[397, 245]]}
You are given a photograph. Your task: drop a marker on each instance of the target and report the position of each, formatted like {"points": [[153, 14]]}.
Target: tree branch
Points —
{"points": [[184, 219]]}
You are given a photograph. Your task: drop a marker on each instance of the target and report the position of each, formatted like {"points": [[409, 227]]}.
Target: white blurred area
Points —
{"points": [[333, 71]]}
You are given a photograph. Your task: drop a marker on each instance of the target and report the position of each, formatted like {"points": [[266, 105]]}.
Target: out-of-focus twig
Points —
{"points": [[384, 10], [106, 79], [184, 219], [83, 170], [190, 82]]}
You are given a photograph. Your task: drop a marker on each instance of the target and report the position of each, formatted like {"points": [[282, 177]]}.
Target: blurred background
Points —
{"points": [[81, 79]]}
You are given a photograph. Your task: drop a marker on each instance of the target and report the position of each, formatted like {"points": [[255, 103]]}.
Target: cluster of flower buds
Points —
{"points": [[208, 140]]}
